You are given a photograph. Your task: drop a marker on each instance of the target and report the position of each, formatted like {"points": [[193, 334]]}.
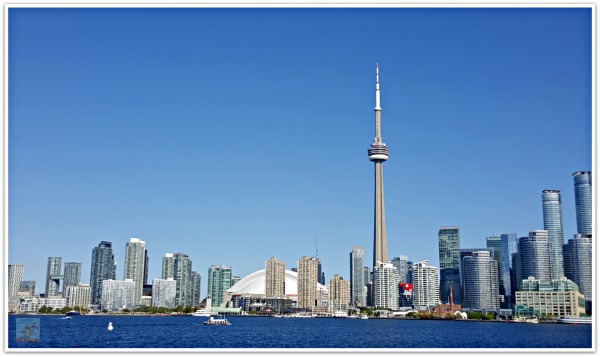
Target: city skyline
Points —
{"points": [[170, 136]]}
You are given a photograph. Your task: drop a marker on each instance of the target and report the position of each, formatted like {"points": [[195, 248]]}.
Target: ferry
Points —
{"points": [[217, 322], [202, 313], [574, 320]]}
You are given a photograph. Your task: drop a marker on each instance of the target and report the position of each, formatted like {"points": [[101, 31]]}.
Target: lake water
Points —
{"points": [[188, 332]]}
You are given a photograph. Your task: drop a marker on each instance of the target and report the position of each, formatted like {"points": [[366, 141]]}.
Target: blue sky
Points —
{"points": [[237, 134]]}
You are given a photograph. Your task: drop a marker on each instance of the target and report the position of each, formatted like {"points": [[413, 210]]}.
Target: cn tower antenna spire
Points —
{"points": [[378, 154]]}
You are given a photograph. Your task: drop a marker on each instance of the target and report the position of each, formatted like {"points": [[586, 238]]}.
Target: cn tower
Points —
{"points": [[378, 153]]}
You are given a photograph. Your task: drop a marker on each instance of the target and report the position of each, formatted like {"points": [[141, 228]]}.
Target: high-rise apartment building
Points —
{"points": [[426, 293], [378, 153], [79, 295], [196, 288], [182, 273], [219, 280], [117, 294], [308, 269], [164, 293], [480, 281], [15, 276], [448, 245], [535, 255], [510, 246], [578, 264], [72, 274], [386, 281], [553, 223], [53, 277], [357, 277], [274, 278], [103, 268], [339, 294], [583, 201], [146, 265], [135, 266]]}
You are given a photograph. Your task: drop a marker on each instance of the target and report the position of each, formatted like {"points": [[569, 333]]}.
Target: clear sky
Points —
{"points": [[234, 135]]}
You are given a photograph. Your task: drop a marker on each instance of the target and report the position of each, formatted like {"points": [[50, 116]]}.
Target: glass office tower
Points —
{"points": [[448, 244]]}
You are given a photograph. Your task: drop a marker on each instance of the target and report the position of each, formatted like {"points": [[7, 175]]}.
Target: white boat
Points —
{"points": [[110, 326], [574, 320], [364, 317], [531, 320], [202, 313], [218, 322]]}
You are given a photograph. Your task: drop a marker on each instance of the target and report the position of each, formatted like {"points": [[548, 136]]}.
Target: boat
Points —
{"points": [[201, 313], [218, 322], [73, 313], [574, 320], [531, 320], [110, 326], [364, 317]]}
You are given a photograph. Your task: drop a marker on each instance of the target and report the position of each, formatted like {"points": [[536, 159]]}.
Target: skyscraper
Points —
{"points": [[15, 276], [535, 256], [103, 267], [196, 288], [308, 269], [386, 281], [480, 281], [426, 291], [357, 277], [583, 201], [219, 280], [53, 276], [72, 274], [178, 266], [578, 264], [274, 278], [378, 153], [339, 293], [553, 223], [448, 245], [135, 265], [509, 246]]}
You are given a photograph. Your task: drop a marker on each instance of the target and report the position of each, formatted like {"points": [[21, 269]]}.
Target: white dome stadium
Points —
{"points": [[254, 284]]}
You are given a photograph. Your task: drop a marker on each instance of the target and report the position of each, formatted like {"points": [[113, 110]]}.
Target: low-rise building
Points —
{"points": [[556, 298]]}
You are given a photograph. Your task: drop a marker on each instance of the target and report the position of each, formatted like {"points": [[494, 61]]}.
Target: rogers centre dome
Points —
{"points": [[254, 285]]}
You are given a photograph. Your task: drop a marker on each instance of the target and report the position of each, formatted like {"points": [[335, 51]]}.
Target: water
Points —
{"points": [[264, 332]]}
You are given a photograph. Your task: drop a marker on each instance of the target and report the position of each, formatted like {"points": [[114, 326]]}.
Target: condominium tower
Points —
{"points": [[553, 223], [480, 281], [103, 268], [219, 280], [583, 201], [386, 281], [53, 276], [378, 153], [357, 277], [15, 276], [72, 274], [308, 269], [535, 256], [448, 245], [274, 278], [134, 266], [578, 264], [426, 291]]}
